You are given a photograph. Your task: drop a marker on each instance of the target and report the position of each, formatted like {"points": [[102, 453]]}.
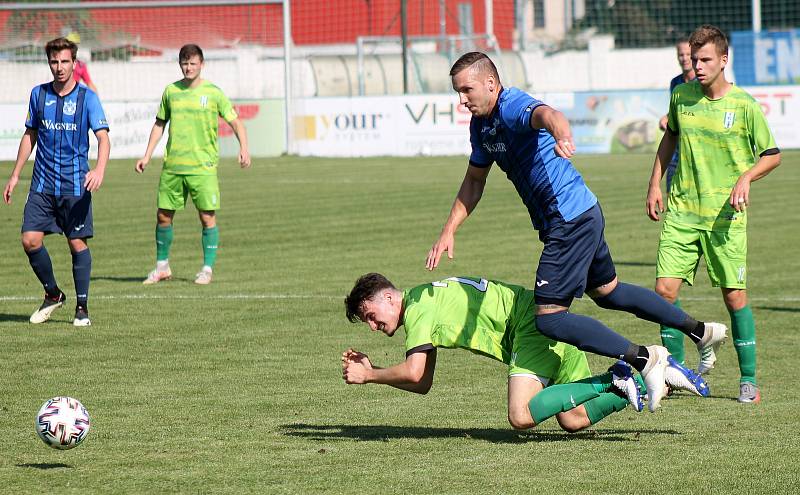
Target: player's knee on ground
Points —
{"points": [[573, 420], [520, 419]]}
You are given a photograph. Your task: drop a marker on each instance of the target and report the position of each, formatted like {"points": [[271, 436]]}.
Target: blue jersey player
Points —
{"points": [[532, 144], [684, 54], [60, 115]]}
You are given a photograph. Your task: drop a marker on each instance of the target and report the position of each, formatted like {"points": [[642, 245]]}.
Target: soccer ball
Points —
{"points": [[62, 423]]}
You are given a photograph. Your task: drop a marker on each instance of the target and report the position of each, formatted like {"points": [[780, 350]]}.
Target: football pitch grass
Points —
{"points": [[236, 386]]}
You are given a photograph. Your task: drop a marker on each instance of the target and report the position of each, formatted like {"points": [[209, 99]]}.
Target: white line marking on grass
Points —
{"points": [[187, 296]]}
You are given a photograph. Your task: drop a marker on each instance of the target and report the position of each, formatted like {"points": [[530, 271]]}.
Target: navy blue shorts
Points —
{"points": [[575, 258], [68, 215]]}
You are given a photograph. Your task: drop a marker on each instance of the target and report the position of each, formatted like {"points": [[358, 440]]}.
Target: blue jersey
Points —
{"points": [[672, 85], [62, 142], [551, 188]]}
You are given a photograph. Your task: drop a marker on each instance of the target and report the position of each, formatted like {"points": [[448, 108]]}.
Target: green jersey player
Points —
{"points": [[725, 144], [496, 320], [192, 106]]}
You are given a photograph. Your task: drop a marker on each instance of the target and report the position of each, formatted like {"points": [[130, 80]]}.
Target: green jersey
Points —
{"points": [[193, 116], [469, 313], [719, 140]]}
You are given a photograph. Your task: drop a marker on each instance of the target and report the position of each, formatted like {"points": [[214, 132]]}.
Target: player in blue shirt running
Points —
{"points": [[532, 144], [60, 115]]}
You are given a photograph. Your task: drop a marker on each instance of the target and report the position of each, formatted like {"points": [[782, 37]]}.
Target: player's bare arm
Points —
{"points": [[415, 374], [557, 125], [26, 145], [155, 136], [94, 177], [469, 194], [241, 134], [740, 194], [655, 200]]}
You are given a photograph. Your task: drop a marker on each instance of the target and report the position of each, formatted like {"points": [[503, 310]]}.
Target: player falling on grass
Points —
{"points": [[192, 107], [684, 55], [532, 143], [725, 145], [496, 320], [60, 115]]}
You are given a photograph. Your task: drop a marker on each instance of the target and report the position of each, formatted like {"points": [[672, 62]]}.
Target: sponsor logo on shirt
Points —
{"points": [[59, 126], [49, 102], [70, 107], [203, 101], [495, 147]]}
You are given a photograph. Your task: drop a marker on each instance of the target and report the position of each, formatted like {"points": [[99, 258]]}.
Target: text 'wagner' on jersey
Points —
{"points": [[62, 142]]}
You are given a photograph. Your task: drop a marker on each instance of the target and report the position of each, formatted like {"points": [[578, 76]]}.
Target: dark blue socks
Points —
{"points": [[647, 305], [584, 333], [43, 268], [81, 271]]}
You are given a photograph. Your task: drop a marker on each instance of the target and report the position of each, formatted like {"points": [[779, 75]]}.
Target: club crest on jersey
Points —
{"points": [[69, 107], [203, 101], [728, 121]]}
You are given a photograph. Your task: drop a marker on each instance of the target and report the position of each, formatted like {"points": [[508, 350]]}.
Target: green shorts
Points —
{"points": [[534, 354], [173, 190], [725, 253]]}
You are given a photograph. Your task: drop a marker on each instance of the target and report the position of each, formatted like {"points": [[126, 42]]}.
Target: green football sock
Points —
{"points": [[163, 242], [743, 327], [559, 398], [672, 339], [607, 403], [210, 241]]}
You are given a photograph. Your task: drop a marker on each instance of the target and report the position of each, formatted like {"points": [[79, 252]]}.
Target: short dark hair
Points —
{"points": [[480, 61], [709, 34], [366, 287], [59, 44], [189, 51]]}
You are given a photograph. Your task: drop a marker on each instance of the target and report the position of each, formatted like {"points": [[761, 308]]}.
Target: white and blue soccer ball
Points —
{"points": [[62, 423]]}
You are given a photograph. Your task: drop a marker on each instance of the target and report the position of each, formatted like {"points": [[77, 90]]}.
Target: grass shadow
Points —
{"points": [[633, 263], [384, 433], [45, 465], [119, 279], [779, 309], [6, 317]]}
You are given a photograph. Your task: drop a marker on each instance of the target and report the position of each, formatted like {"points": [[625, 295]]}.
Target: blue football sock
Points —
{"points": [[81, 270], [584, 333], [647, 305], [43, 268]]}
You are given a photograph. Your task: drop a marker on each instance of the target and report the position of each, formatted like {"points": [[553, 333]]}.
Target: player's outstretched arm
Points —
{"points": [[155, 136], [26, 145], [94, 177], [557, 125], [415, 374], [740, 194], [466, 200], [241, 134], [654, 205]]}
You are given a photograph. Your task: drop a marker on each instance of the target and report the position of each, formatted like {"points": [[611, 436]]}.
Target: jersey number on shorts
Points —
{"points": [[480, 286]]}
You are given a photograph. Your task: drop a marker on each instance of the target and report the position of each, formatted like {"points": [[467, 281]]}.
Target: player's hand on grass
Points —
{"points": [[10, 185], [446, 242], [141, 164], [740, 194], [655, 203], [355, 373], [351, 356], [244, 159], [93, 180]]}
